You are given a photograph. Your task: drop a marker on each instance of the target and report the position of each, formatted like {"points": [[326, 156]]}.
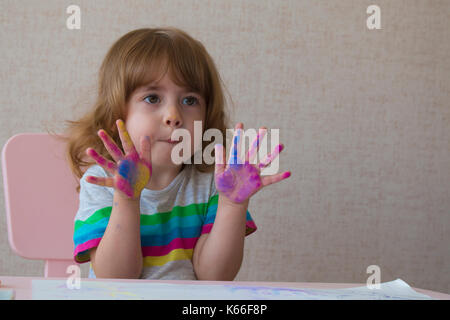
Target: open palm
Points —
{"points": [[131, 171], [239, 180]]}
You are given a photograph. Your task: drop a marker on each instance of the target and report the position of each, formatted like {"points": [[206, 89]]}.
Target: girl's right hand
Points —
{"points": [[131, 171]]}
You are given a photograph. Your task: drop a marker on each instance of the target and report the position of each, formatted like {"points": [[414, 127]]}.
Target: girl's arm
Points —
{"points": [[218, 255], [119, 253]]}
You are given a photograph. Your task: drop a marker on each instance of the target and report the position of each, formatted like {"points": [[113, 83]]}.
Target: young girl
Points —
{"points": [[140, 214]]}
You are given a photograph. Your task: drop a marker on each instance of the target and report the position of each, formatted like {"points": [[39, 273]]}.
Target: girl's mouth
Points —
{"points": [[172, 142]]}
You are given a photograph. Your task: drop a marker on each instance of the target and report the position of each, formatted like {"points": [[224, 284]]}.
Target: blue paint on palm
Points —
{"points": [[127, 169]]}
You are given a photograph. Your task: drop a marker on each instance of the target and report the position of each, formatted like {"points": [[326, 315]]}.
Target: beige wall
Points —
{"points": [[364, 115]]}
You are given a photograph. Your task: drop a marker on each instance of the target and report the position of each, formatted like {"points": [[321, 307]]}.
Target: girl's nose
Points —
{"points": [[172, 116], [172, 120]]}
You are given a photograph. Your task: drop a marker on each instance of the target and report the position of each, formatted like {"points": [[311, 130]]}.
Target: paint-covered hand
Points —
{"points": [[237, 180], [131, 171]]}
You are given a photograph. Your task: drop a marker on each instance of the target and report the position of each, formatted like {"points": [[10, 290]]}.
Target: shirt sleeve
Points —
{"points": [[92, 216], [211, 210]]}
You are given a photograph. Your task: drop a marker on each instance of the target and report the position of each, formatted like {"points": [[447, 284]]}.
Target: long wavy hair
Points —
{"points": [[133, 61]]}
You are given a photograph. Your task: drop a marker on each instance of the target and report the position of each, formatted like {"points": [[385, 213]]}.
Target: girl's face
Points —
{"points": [[156, 110]]}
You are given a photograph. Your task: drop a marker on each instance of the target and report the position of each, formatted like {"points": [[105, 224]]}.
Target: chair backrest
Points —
{"points": [[41, 200]]}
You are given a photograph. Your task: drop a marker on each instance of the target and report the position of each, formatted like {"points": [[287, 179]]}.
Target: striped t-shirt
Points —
{"points": [[172, 220]]}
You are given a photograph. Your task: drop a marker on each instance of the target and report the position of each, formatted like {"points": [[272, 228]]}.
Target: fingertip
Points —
{"points": [[287, 174], [120, 125], [262, 132], [101, 133]]}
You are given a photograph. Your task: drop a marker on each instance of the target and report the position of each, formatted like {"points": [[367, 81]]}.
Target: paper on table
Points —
{"points": [[6, 294], [100, 290]]}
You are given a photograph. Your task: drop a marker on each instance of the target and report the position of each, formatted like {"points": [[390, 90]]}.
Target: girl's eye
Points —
{"points": [[190, 100], [151, 100], [193, 100]]}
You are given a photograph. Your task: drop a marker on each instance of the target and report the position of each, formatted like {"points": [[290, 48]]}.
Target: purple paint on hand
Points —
{"points": [[238, 182]]}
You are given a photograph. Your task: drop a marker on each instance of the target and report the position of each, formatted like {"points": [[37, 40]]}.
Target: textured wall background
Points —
{"points": [[364, 116]]}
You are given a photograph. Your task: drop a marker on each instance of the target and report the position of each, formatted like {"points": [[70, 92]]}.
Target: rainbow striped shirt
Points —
{"points": [[172, 220]]}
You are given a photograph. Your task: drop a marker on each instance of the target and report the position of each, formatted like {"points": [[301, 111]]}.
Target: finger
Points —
{"points": [[146, 153], [269, 158], [267, 180], [236, 144], [127, 143], [250, 156], [101, 181], [111, 146], [104, 163], [220, 159]]}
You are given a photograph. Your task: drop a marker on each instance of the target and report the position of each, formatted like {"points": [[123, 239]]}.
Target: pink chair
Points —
{"points": [[41, 200]]}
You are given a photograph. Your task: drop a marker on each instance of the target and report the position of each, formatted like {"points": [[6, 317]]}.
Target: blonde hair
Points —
{"points": [[132, 61]]}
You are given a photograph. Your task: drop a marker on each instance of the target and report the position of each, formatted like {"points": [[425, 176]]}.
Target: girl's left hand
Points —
{"points": [[238, 181]]}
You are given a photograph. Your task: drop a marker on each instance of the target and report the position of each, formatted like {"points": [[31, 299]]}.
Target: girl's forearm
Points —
{"points": [[119, 254], [221, 256]]}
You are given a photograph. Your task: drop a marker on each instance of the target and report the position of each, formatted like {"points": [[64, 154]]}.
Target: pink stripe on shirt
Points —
{"points": [[87, 245], [177, 243]]}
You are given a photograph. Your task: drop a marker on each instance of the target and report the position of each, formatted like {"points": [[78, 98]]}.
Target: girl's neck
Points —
{"points": [[163, 176]]}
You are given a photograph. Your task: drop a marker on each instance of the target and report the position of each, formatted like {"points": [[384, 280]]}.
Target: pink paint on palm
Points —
{"points": [[239, 181]]}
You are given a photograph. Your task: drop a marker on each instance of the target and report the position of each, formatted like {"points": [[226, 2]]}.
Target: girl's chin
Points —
{"points": [[164, 163]]}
